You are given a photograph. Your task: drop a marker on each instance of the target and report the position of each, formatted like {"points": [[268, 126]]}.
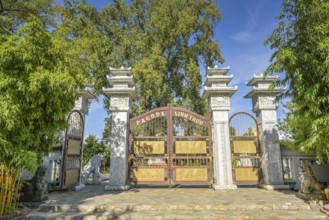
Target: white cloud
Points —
{"points": [[242, 36]]}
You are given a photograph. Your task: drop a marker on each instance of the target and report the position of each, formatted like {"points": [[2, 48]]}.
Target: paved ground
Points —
{"points": [[93, 202]]}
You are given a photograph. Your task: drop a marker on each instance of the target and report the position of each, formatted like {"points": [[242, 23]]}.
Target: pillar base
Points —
{"points": [[224, 187], [275, 187], [80, 186], [117, 188]]}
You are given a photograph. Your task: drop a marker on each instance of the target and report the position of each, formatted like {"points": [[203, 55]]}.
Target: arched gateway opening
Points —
{"points": [[246, 154], [72, 154], [170, 145]]}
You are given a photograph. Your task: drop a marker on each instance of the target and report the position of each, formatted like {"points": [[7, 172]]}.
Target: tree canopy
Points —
{"points": [[38, 88], [163, 41], [301, 44], [172, 38], [48, 52]]}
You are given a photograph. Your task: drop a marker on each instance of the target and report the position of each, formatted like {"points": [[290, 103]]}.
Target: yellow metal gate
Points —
{"points": [[170, 145]]}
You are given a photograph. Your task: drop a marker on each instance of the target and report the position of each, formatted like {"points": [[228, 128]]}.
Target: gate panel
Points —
{"points": [[191, 148], [170, 146], [245, 149], [73, 151], [149, 159]]}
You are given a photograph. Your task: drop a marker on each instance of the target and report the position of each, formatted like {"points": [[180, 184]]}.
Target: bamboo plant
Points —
{"points": [[10, 184]]}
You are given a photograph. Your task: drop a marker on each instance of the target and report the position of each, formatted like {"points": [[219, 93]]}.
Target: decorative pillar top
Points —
{"points": [[217, 89], [216, 82], [85, 97], [122, 83], [122, 90], [263, 97]]}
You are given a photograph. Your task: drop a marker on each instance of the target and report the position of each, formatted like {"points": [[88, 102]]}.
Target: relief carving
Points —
{"points": [[219, 85], [119, 103], [267, 100], [219, 101]]}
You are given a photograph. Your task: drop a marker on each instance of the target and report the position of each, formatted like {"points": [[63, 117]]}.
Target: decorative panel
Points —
{"points": [[149, 174], [71, 177], [241, 147], [191, 147], [149, 147], [74, 147], [246, 174], [191, 174]]}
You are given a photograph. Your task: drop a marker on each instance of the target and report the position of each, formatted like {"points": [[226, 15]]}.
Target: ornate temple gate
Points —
{"points": [[246, 154], [170, 145], [72, 160]]}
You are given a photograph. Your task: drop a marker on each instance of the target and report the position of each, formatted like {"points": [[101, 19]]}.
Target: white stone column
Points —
{"points": [[264, 105], [121, 95], [218, 94], [82, 105]]}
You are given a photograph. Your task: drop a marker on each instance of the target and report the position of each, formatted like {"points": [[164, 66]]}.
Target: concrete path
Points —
{"points": [[93, 202]]}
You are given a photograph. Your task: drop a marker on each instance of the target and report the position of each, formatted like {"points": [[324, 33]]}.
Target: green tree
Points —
{"points": [[38, 89], [107, 131], [165, 42], [93, 146], [81, 35], [301, 44]]}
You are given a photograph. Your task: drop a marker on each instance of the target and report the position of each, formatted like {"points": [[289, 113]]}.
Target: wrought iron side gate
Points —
{"points": [[72, 151], [170, 145], [246, 154]]}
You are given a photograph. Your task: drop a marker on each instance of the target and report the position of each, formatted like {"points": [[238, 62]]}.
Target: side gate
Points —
{"points": [[246, 154], [72, 153], [170, 145]]}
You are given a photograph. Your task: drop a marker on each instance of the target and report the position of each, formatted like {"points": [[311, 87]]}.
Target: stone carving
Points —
{"points": [[90, 173], [36, 189], [264, 85], [267, 100], [119, 103], [218, 85], [120, 85], [307, 180], [220, 101]]}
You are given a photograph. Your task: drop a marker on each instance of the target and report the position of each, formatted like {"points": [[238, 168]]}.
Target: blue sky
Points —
{"points": [[244, 26]]}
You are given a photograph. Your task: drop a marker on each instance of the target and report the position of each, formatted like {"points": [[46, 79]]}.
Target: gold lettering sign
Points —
{"points": [[191, 147], [149, 174], [241, 147], [149, 147], [246, 174], [150, 117], [189, 117], [191, 174]]}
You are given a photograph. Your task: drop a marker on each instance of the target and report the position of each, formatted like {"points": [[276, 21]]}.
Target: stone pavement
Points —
{"points": [[93, 202]]}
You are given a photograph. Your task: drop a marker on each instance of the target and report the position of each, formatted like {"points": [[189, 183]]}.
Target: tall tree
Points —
{"points": [[165, 42], [301, 44], [81, 35], [38, 89]]}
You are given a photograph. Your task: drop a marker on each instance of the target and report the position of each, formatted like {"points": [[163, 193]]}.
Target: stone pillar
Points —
{"points": [[120, 94], [264, 105], [218, 94], [82, 105]]}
